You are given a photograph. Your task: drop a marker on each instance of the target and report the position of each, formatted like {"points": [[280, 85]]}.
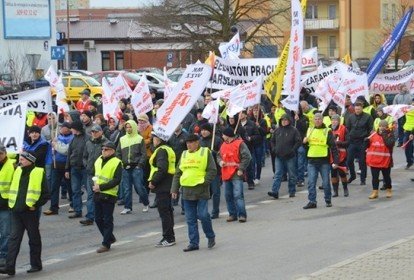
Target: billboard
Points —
{"points": [[26, 19]]}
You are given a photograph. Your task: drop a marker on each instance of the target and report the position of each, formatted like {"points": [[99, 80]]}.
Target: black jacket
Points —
{"points": [[206, 142], [177, 143], [285, 142], [93, 149], [254, 139], [161, 179], [359, 127], [75, 152]]}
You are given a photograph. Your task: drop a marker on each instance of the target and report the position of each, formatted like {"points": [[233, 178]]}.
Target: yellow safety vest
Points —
{"points": [[389, 120], [368, 109], [30, 116], [269, 125], [107, 173], [327, 121], [171, 161], [6, 177], [279, 112], [193, 165], [317, 139], [409, 121], [33, 190], [310, 114]]}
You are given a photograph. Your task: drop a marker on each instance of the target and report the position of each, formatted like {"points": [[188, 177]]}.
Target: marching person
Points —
{"points": [[341, 141], [107, 172], [408, 136], [28, 192], [234, 158], [6, 176], [320, 141], [379, 157], [195, 171], [162, 163]]}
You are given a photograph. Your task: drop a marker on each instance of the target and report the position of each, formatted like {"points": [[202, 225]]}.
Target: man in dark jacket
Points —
{"points": [[28, 192], [285, 141], [93, 150], [162, 163], [359, 125], [75, 170]]}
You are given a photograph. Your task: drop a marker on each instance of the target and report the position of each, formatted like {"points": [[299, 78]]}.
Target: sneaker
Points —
{"points": [[352, 178], [126, 211], [190, 248], [359, 172], [242, 219], [231, 219], [292, 195], [76, 215], [102, 249], [50, 212], [145, 209], [362, 183], [256, 182], [211, 242], [250, 187], [310, 205], [165, 243], [215, 216], [300, 184], [86, 222], [273, 194], [71, 210], [328, 204], [408, 165]]}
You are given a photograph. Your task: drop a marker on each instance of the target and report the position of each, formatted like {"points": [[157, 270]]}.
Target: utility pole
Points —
{"points": [[68, 36]]}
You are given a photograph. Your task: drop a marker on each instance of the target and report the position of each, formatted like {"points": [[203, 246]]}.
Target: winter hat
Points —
{"points": [[30, 157], [191, 138], [109, 145], [34, 128], [66, 124], [229, 132], [88, 113], [206, 126], [77, 125], [96, 127]]}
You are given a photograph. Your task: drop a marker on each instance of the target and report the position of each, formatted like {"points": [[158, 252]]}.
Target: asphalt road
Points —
{"points": [[279, 241]]}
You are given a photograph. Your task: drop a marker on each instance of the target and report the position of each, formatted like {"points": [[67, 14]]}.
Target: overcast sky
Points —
{"points": [[119, 3]]}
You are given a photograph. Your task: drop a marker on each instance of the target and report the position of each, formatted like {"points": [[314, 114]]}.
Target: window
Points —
{"points": [[75, 82], [119, 60], [332, 46], [332, 11], [106, 65], [312, 12], [311, 41], [65, 82], [384, 11]]}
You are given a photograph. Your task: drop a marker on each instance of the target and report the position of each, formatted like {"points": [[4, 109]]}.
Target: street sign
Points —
{"points": [[58, 52], [170, 57]]}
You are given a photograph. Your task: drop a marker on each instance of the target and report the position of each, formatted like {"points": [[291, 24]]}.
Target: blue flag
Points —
{"points": [[388, 46]]}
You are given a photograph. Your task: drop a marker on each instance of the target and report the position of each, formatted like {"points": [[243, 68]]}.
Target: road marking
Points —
{"points": [[251, 206], [179, 226], [119, 243], [149, 234], [52, 261], [86, 252]]}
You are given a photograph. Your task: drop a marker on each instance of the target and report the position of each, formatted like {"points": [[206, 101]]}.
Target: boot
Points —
{"points": [[346, 192], [374, 194], [335, 190], [388, 193]]}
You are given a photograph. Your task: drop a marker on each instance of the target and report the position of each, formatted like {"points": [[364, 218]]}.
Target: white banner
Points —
{"points": [[354, 83], [182, 99], [252, 91], [110, 106], [236, 102], [397, 111], [231, 50], [141, 97], [38, 100], [55, 82], [310, 80], [329, 89], [224, 93], [391, 82], [211, 111], [120, 88], [291, 82], [12, 126], [310, 59]]}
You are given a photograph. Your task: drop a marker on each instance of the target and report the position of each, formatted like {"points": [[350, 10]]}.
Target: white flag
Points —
{"points": [[141, 99], [231, 50], [397, 111], [12, 126], [120, 88], [211, 111], [224, 93], [236, 102], [253, 92], [56, 83], [110, 106]]}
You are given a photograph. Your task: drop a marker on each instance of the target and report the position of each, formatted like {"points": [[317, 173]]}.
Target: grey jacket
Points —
{"points": [[93, 150]]}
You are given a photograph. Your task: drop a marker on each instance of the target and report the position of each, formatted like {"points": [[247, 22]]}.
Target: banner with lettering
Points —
{"points": [[231, 50], [291, 82], [141, 99], [253, 92], [12, 126], [56, 83], [236, 102], [120, 88], [330, 89], [38, 100], [183, 97], [310, 81], [391, 82], [110, 106], [211, 111], [397, 111]]}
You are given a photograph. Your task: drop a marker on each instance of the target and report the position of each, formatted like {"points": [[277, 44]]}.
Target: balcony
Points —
{"points": [[321, 24]]}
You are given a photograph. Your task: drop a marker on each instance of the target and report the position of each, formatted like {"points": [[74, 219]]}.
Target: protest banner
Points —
{"points": [[398, 110], [211, 111], [38, 100], [231, 50], [390, 83], [310, 80], [110, 106], [56, 83], [12, 126], [252, 91], [141, 99], [120, 88]]}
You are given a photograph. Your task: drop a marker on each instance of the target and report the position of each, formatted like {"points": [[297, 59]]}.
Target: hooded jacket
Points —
{"points": [[285, 140], [131, 148]]}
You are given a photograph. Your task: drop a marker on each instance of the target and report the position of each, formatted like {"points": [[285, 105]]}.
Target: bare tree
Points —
{"points": [[206, 23], [15, 63]]}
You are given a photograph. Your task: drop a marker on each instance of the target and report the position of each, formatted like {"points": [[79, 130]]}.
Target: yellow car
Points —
{"points": [[75, 84]]}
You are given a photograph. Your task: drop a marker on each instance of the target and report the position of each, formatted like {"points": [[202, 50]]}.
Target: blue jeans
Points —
{"points": [[215, 195], [131, 177], [104, 219], [409, 148], [233, 191], [357, 150], [90, 205], [283, 165], [313, 170], [77, 179], [5, 225], [197, 209], [301, 163]]}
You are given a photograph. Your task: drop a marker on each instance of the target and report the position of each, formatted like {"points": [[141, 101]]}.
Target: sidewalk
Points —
{"points": [[393, 261]]}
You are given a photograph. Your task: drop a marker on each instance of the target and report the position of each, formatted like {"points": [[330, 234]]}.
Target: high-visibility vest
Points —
{"points": [[34, 188], [279, 112], [389, 120], [269, 125], [368, 109], [229, 153], [327, 121], [378, 154], [30, 116], [106, 173], [6, 177], [193, 167], [339, 134], [171, 161], [409, 121], [317, 139], [310, 114]]}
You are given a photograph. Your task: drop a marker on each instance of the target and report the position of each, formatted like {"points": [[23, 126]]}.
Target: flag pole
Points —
{"points": [[237, 125]]}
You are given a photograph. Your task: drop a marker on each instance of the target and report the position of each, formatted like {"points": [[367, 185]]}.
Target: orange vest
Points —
{"points": [[229, 153], [339, 135], [378, 154]]}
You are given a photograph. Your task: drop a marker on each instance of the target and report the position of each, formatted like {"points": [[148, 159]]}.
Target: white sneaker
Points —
{"points": [[256, 182], [126, 211], [145, 209]]}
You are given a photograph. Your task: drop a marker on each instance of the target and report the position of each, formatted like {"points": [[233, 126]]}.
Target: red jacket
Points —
{"points": [[230, 156], [339, 135], [378, 154]]}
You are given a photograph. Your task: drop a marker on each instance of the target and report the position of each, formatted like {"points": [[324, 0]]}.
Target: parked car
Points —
{"points": [[156, 81], [34, 84], [75, 84], [77, 72], [390, 65], [409, 63], [174, 74], [132, 79], [149, 70], [363, 63]]}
